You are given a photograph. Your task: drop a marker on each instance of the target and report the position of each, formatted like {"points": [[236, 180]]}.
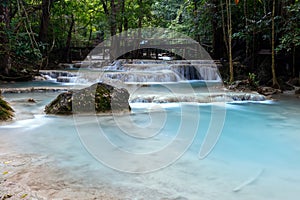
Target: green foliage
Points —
{"points": [[199, 19], [25, 51], [291, 29], [253, 82]]}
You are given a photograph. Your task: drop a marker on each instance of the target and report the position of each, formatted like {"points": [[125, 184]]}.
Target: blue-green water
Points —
{"points": [[256, 156]]}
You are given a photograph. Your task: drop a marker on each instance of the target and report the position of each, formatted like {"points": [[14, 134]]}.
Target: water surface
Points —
{"points": [[256, 157]]}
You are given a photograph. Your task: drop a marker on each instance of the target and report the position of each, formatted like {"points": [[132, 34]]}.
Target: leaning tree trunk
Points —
{"points": [[5, 60], [274, 79]]}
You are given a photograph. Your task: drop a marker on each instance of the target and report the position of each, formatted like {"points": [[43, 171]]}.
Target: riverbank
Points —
{"points": [[34, 177]]}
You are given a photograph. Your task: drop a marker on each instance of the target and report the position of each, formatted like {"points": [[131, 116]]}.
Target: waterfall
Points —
{"points": [[144, 71], [144, 76], [59, 76], [162, 71]]}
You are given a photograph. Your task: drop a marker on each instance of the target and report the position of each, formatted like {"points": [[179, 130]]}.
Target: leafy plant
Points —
{"points": [[252, 81]]}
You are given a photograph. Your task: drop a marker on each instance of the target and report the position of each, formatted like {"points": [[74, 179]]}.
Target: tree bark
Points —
{"points": [[274, 79], [140, 20], [113, 18], [217, 40], [246, 24], [69, 38], [121, 4], [224, 27], [229, 29], [196, 21], [104, 4], [45, 19]]}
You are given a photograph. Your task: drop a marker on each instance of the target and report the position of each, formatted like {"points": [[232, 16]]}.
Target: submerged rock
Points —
{"points": [[246, 97], [31, 100], [98, 98]]}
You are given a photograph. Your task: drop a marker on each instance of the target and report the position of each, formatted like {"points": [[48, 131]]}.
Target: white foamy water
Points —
{"points": [[256, 157]]}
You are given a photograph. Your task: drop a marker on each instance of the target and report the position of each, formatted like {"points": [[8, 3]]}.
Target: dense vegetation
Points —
{"points": [[260, 37]]}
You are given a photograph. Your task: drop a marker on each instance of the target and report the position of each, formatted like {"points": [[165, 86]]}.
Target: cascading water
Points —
{"points": [[171, 71], [59, 76], [152, 81]]}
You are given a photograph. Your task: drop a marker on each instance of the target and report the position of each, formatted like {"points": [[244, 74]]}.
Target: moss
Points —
{"points": [[62, 105], [6, 112]]}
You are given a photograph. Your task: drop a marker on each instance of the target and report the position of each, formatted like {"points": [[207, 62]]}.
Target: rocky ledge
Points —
{"points": [[98, 98], [33, 89]]}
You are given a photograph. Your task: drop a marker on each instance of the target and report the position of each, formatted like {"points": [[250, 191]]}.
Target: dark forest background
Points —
{"points": [[260, 38]]}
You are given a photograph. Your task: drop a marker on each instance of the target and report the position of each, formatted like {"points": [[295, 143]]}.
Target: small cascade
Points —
{"points": [[197, 98], [116, 66], [140, 71], [187, 72], [59, 76], [209, 73], [144, 76]]}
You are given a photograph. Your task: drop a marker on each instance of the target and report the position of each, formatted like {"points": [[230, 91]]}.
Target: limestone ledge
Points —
{"points": [[33, 89]]}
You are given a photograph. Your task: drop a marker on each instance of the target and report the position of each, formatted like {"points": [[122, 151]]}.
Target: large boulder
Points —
{"points": [[98, 98], [6, 112]]}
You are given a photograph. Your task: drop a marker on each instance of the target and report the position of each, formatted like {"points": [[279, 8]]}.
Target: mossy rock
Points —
{"points": [[98, 98], [6, 112], [62, 105]]}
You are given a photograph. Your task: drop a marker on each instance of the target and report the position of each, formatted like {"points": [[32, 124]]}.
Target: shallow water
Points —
{"points": [[256, 156]]}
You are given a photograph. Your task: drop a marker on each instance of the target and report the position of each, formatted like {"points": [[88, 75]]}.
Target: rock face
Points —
{"points": [[6, 112], [98, 98], [268, 91]]}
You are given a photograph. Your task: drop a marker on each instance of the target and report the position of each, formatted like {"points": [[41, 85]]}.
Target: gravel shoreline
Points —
{"points": [[27, 176]]}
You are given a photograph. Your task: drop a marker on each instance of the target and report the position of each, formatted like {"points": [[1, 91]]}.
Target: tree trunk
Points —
{"points": [[5, 60], [254, 46], [45, 19], [246, 24], [274, 79], [294, 61], [217, 40], [121, 4], [140, 19], [196, 21], [113, 18], [69, 38], [224, 27], [229, 29]]}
